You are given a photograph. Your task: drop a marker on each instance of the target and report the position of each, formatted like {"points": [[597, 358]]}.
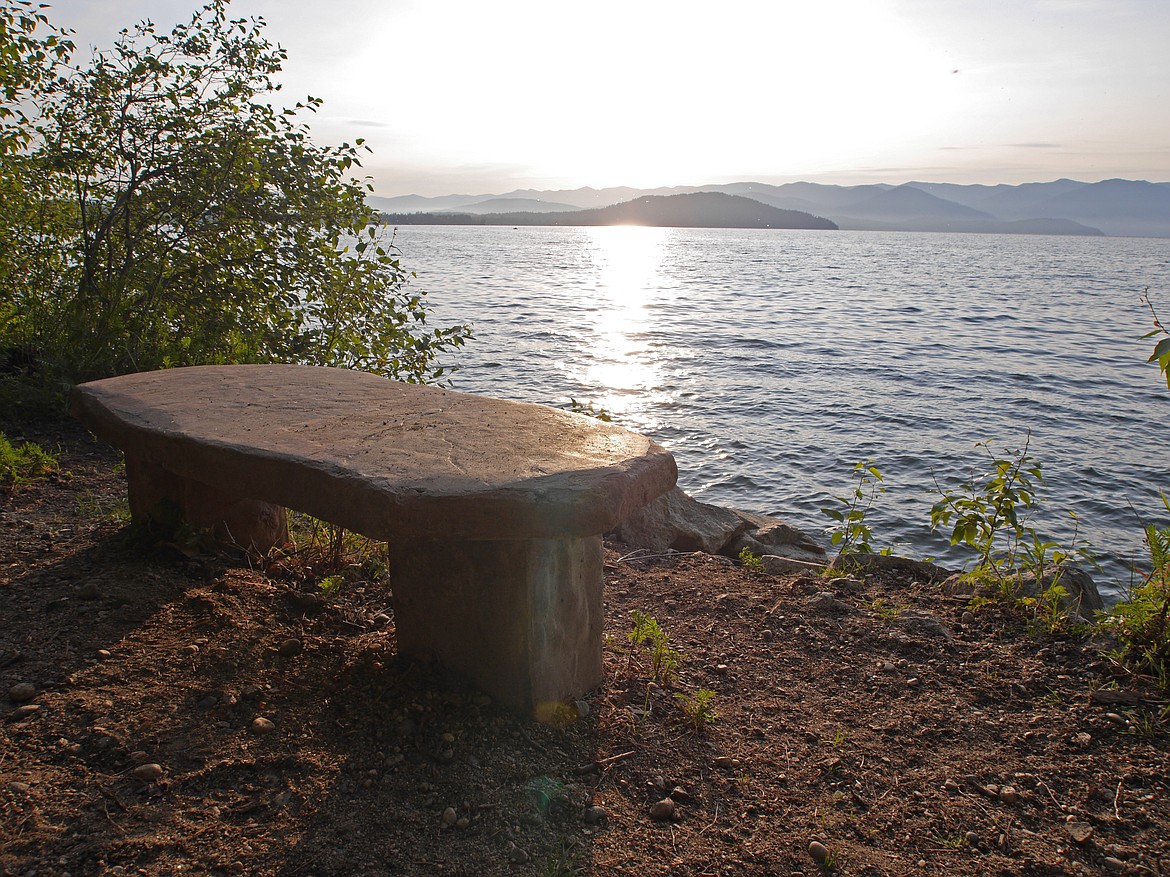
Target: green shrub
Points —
{"points": [[160, 212]]}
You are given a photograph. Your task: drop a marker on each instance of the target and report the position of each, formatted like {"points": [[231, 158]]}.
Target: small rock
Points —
{"points": [[818, 852], [104, 654], [149, 772], [22, 692], [18, 787], [516, 855], [951, 786], [596, 816], [87, 591], [1009, 795], [767, 635], [721, 669], [207, 702], [1079, 831], [662, 810], [583, 708], [381, 619], [971, 838], [191, 649], [1116, 719], [726, 762], [25, 712], [1114, 864], [450, 817], [825, 601], [462, 822], [290, 648], [261, 725], [1083, 740]]}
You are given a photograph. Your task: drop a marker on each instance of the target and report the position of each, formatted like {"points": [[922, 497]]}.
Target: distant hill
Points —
{"points": [[1113, 207], [691, 210]]}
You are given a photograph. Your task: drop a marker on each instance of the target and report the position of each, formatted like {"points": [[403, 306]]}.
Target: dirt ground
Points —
{"points": [[897, 729]]}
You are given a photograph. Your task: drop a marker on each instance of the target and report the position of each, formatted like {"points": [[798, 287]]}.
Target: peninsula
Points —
{"points": [[689, 210]]}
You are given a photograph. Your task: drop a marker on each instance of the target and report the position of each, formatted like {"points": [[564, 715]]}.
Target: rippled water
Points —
{"points": [[771, 361]]}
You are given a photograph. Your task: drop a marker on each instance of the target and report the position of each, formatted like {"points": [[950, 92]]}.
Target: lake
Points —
{"points": [[770, 362]]}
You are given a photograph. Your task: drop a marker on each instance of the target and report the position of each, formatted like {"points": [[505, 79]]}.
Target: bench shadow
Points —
{"points": [[140, 660]]}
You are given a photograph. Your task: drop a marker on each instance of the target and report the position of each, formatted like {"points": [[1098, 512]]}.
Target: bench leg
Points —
{"points": [[160, 496], [522, 619]]}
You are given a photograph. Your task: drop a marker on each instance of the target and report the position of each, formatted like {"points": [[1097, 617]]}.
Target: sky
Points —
{"points": [[467, 96]]}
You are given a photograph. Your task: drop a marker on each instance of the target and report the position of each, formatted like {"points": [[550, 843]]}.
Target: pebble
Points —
{"points": [[261, 725], [104, 654], [191, 649], [1083, 740], [767, 635], [726, 762], [290, 648], [583, 708], [972, 839], [462, 822], [149, 772], [22, 692], [450, 817], [818, 852], [206, 703], [1009, 795], [1114, 864], [25, 712], [596, 816], [19, 787], [951, 786], [1079, 831], [1116, 719], [381, 619], [662, 810], [516, 855]]}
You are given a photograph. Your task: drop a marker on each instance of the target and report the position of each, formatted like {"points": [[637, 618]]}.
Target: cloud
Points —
{"points": [[1036, 145]]}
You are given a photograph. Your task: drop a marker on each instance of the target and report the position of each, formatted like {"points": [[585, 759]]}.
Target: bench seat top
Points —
{"points": [[386, 459]]}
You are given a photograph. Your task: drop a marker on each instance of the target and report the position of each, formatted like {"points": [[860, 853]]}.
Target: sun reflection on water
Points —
{"points": [[627, 262]]}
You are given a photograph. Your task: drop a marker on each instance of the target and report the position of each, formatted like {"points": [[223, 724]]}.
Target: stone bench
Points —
{"points": [[493, 511]]}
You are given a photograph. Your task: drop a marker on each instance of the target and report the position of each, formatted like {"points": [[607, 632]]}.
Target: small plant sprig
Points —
{"points": [[1161, 354], [986, 509], [664, 661], [750, 561], [589, 410], [20, 464], [1142, 620], [850, 533], [697, 707]]}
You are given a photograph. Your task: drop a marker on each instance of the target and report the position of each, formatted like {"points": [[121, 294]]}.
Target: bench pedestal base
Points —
{"points": [[522, 619]]}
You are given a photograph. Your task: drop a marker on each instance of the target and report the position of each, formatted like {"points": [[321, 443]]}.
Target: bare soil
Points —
{"points": [[895, 727]]}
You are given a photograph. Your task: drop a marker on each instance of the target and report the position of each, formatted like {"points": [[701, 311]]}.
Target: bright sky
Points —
{"points": [[467, 96]]}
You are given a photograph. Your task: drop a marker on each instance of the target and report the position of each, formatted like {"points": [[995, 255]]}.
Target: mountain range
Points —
{"points": [[1134, 208]]}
